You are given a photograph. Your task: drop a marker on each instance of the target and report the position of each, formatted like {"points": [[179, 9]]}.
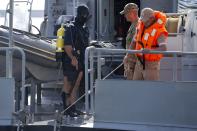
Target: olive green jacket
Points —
{"points": [[130, 34]]}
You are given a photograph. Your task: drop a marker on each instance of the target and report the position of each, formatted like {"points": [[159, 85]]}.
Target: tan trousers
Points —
{"points": [[129, 67], [129, 70], [151, 71]]}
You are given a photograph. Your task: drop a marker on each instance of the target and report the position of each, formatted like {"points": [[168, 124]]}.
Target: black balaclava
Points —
{"points": [[82, 15]]}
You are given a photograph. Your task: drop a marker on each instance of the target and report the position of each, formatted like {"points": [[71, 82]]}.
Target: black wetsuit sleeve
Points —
{"points": [[69, 36]]}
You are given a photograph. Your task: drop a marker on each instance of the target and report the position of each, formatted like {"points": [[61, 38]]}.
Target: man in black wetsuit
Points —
{"points": [[75, 42]]}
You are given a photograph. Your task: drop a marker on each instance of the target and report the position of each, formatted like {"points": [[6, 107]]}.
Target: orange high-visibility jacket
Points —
{"points": [[150, 36]]}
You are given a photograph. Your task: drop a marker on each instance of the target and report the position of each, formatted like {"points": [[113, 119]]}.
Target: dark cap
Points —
{"points": [[129, 7]]}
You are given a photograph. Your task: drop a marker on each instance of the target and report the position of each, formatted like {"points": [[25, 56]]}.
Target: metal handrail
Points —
{"points": [[87, 71], [23, 70], [98, 51], [175, 33], [175, 14]]}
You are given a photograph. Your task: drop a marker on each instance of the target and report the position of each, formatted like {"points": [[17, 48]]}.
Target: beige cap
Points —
{"points": [[146, 14], [128, 7]]}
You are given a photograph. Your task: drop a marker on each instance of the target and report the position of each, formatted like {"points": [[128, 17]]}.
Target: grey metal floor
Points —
{"points": [[50, 103]]}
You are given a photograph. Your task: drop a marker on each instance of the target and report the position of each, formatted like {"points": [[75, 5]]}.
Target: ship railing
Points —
{"points": [[95, 55], [21, 51]]}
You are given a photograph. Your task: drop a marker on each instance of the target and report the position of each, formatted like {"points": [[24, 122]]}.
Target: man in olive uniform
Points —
{"points": [[130, 12], [75, 42]]}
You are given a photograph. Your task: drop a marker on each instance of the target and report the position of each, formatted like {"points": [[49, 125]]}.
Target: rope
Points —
{"points": [[75, 102], [113, 71]]}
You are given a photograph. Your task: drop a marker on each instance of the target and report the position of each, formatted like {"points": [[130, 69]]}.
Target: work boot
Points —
{"points": [[72, 114], [77, 111], [71, 111], [64, 99]]}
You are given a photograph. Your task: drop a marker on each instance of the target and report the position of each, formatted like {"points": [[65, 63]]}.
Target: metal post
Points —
{"points": [[55, 126], [88, 50], [175, 67], [17, 97], [32, 106], [98, 20], [99, 65], [23, 78], [39, 88], [18, 126], [86, 79], [182, 43], [9, 52], [26, 96], [11, 12], [91, 82], [30, 11]]}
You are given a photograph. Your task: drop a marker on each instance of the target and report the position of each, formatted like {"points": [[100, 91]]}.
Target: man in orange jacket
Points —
{"points": [[151, 35]]}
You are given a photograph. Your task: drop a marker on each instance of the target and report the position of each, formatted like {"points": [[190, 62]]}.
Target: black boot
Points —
{"points": [[74, 109], [71, 112], [64, 98]]}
